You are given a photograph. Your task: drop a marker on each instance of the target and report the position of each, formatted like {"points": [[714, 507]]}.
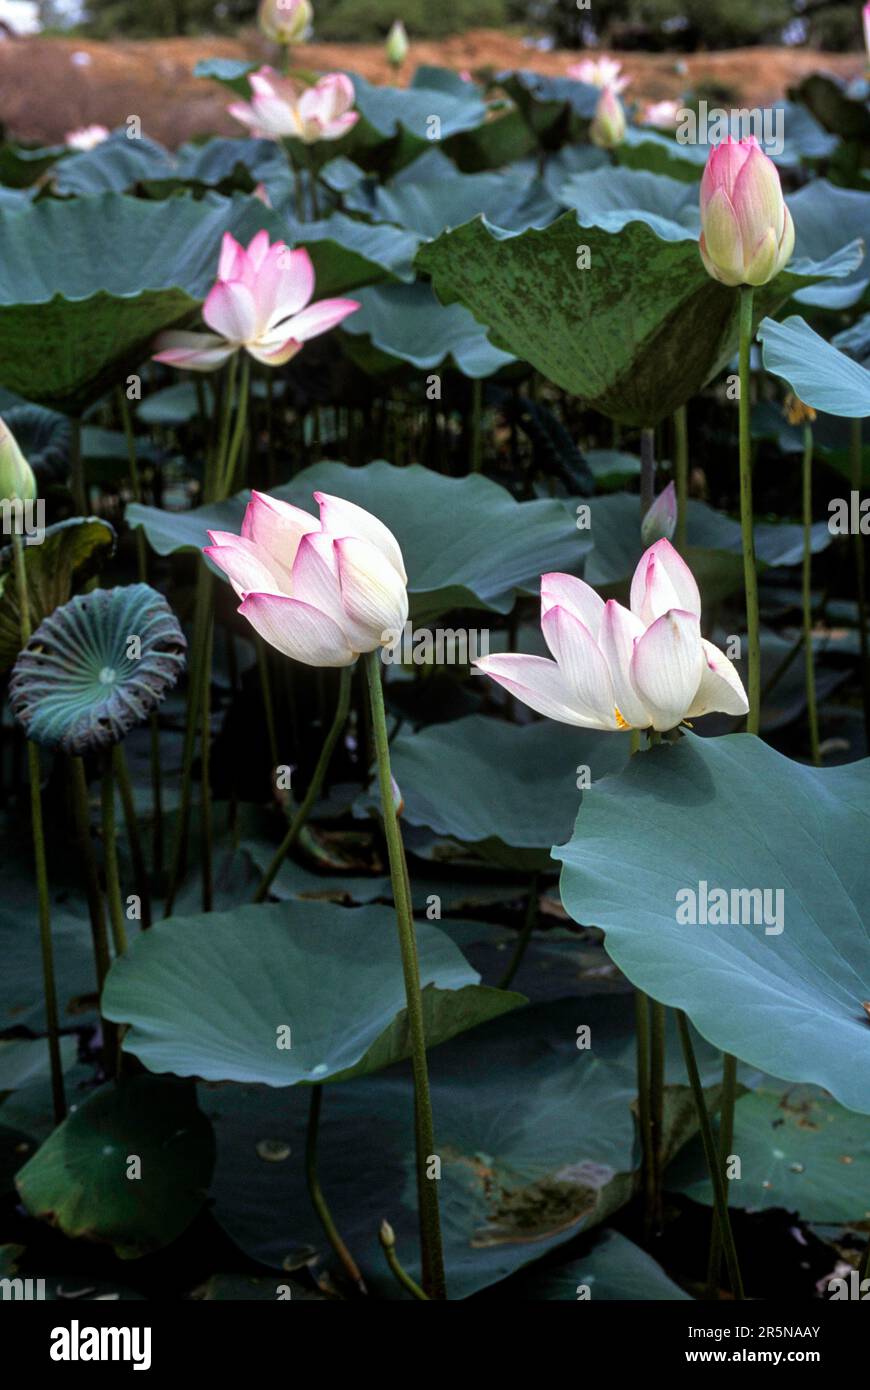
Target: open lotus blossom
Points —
{"points": [[747, 233], [618, 669], [86, 137], [260, 302], [282, 107], [321, 591], [600, 72]]}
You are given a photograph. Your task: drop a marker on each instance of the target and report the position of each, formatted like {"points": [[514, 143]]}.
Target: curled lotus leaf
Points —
{"points": [[97, 666]]}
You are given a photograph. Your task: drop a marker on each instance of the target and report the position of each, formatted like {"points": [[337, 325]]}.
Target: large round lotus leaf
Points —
{"points": [[628, 319], [825, 217], [798, 1149], [70, 551], [287, 994], [615, 1269], [44, 436], [481, 779], [115, 165], [732, 814], [467, 542], [84, 1180], [553, 107], [87, 283], [348, 255], [406, 323], [536, 1140], [97, 666], [21, 166], [816, 371]]}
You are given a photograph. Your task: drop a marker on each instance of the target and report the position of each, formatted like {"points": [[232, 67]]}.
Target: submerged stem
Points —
{"points": [[110, 858], [681, 470], [531, 917], [315, 1192]]}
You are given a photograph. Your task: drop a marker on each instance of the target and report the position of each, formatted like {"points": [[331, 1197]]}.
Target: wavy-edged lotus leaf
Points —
{"points": [[636, 329], [614, 1269], [825, 217], [841, 108], [466, 541], [817, 372], [70, 552], [536, 1141], [208, 995], [798, 1149], [44, 436], [87, 283], [349, 254], [501, 787], [115, 165], [785, 991], [406, 323], [96, 667], [554, 108], [79, 1180], [21, 165]]}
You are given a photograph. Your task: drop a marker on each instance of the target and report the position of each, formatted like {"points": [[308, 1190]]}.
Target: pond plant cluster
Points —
{"points": [[433, 626]]}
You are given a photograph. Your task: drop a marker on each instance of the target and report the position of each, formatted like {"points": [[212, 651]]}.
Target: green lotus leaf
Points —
{"points": [[70, 552], [825, 217], [115, 165], [406, 323], [25, 1060], [21, 166], [210, 995], [97, 666], [784, 991], [614, 1269], [44, 436], [497, 546], [80, 1179], [554, 108], [842, 109], [817, 372], [623, 315], [348, 254], [87, 283]]}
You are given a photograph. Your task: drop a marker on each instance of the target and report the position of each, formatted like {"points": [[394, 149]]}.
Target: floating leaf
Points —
{"points": [[615, 1269], [80, 1180], [97, 666], [212, 995], [732, 814]]}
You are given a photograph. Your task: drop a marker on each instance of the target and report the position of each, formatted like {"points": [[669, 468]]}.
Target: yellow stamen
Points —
{"points": [[620, 722]]}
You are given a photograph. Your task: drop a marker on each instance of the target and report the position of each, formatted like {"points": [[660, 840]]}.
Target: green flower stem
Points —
{"points": [[216, 464], [644, 1112], [727, 1102], [227, 476], [857, 472], [681, 470], [46, 946], [205, 771], [864, 1267], [716, 1175], [268, 703], [76, 467], [476, 425], [318, 1200], [750, 575], [122, 778], [110, 858], [427, 1189], [388, 1245], [81, 816], [647, 470], [156, 795], [531, 917], [314, 786], [809, 665], [312, 183], [657, 1106], [135, 481], [197, 672]]}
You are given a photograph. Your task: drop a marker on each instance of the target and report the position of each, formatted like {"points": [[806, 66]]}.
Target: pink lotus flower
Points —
{"points": [[321, 591], [599, 72], [285, 21], [747, 234], [620, 669], [866, 16], [282, 107], [260, 302], [86, 137], [608, 124], [660, 521], [662, 114]]}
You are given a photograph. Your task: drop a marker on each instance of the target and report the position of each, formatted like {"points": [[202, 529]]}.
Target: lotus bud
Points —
{"points": [[660, 521], [608, 124], [397, 44], [17, 479], [285, 21], [747, 234]]}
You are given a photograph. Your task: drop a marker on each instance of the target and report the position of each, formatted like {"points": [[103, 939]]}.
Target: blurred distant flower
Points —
{"points": [[260, 302], [282, 107], [747, 234], [86, 137], [866, 14], [285, 21], [663, 114], [600, 72], [608, 124], [397, 44]]}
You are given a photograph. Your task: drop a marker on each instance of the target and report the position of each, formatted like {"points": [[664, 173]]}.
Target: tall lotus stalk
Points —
{"points": [[325, 592], [747, 237], [804, 415]]}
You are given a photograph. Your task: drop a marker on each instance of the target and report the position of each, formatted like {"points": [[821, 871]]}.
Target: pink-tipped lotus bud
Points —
{"points": [[608, 124], [285, 21], [17, 480], [660, 521], [747, 234]]}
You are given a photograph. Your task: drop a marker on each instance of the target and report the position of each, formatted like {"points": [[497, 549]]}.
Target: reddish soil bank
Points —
{"points": [[47, 87]]}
